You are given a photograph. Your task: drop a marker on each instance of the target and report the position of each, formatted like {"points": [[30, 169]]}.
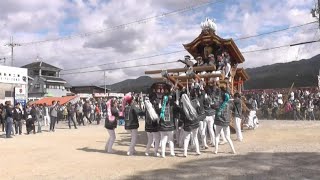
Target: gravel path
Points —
{"points": [[276, 150]]}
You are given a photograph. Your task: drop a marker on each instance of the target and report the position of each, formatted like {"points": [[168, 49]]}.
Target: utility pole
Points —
{"points": [[105, 85], [12, 45], [316, 11]]}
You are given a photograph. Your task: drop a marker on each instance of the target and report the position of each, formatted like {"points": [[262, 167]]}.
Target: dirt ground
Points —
{"points": [[276, 150]]}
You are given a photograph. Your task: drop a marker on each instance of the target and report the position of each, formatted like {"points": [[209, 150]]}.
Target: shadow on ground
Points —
{"points": [[117, 152], [125, 139], [259, 166]]}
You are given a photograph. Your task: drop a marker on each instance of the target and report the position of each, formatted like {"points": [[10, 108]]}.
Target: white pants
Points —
{"points": [[253, 119], [238, 129], [112, 138], [134, 135], [210, 121], [167, 136], [222, 134], [202, 129], [227, 134], [153, 137], [181, 137], [177, 131], [194, 135], [46, 120]]}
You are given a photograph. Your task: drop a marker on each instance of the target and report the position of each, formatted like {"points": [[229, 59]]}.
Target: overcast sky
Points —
{"points": [[36, 20]]}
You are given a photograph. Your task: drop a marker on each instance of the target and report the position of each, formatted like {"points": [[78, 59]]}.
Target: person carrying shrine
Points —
{"points": [[237, 111], [111, 123], [222, 120], [210, 113], [190, 119], [152, 127], [166, 123], [131, 114]]}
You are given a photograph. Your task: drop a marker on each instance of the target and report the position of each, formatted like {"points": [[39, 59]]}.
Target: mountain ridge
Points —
{"points": [[280, 75]]}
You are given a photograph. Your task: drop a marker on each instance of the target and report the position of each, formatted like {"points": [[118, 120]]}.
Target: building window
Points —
{"points": [[18, 75], [36, 72], [44, 86], [4, 74], [8, 94], [37, 85]]}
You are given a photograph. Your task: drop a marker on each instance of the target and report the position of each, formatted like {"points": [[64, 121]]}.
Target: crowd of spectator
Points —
{"points": [[296, 105], [37, 117]]}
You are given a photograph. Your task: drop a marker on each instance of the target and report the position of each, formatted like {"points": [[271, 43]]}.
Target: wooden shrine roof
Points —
{"points": [[241, 73], [209, 37]]}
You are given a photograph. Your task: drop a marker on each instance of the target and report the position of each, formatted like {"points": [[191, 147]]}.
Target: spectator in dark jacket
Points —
{"points": [[9, 119], [17, 118], [71, 115]]}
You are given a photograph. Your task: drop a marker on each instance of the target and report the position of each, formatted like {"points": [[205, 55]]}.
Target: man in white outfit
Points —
{"points": [[46, 116], [237, 111]]}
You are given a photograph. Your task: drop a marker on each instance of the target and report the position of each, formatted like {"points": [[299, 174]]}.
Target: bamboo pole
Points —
{"points": [[200, 68]]}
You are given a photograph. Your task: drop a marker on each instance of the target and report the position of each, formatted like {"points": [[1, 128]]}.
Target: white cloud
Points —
{"points": [[35, 19]]}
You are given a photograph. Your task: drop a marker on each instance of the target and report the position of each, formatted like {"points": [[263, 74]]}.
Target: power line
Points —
{"points": [[238, 39], [128, 60], [278, 47], [275, 31], [145, 57], [140, 21], [174, 52], [127, 67]]}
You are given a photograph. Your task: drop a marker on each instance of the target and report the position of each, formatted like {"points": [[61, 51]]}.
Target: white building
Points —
{"points": [[13, 82]]}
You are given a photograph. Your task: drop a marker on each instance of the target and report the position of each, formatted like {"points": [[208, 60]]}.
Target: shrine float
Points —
{"points": [[206, 53]]}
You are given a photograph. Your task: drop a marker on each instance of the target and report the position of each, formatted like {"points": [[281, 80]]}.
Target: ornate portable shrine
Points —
{"points": [[208, 43]]}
